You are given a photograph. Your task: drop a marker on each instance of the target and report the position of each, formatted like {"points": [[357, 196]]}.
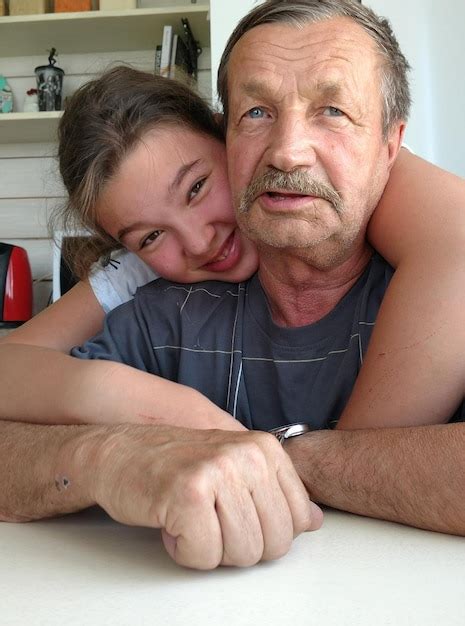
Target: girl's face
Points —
{"points": [[169, 202]]}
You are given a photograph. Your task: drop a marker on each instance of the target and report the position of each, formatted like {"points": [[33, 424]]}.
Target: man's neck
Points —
{"points": [[299, 293]]}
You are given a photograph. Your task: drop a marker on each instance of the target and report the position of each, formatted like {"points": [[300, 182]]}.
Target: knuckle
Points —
{"points": [[195, 488], [239, 459], [269, 445], [263, 438], [255, 453], [270, 441], [225, 461]]}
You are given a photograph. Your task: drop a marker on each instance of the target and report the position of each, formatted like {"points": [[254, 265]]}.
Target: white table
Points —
{"points": [[85, 569]]}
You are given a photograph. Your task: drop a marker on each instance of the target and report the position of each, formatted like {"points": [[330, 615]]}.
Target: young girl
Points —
{"points": [[412, 372]]}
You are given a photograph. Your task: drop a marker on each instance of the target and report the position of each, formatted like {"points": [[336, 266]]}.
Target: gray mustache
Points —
{"points": [[297, 181]]}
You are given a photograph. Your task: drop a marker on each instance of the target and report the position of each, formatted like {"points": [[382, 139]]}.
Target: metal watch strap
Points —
{"points": [[289, 430]]}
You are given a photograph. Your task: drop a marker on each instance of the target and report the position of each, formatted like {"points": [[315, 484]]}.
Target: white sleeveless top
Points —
{"points": [[118, 281]]}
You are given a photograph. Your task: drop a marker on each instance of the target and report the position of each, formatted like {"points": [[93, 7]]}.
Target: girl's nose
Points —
{"points": [[198, 240]]}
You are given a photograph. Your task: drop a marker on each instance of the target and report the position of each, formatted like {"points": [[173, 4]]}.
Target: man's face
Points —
{"points": [[307, 159]]}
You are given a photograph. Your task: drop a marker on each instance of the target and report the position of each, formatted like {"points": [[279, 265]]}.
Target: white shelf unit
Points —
{"points": [[29, 127], [84, 32]]}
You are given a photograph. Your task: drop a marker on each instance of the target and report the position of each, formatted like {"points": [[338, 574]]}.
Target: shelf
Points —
{"points": [[86, 32], [97, 31], [29, 127]]}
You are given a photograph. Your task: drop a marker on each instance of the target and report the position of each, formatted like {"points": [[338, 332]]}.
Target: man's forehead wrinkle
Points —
{"points": [[333, 86], [262, 51], [261, 59]]}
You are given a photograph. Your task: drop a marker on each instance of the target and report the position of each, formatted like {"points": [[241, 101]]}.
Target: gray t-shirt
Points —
{"points": [[220, 339]]}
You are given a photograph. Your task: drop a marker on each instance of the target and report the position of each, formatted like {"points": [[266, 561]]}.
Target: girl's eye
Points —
{"points": [[196, 188], [333, 112], [256, 113], [150, 238]]}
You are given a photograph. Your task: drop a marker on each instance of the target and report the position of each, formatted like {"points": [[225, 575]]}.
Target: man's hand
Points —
{"points": [[221, 498]]}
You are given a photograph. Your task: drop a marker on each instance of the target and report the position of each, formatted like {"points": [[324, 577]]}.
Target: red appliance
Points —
{"points": [[15, 286]]}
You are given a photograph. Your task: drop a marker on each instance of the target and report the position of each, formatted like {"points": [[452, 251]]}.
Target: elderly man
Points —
{"points": [[301, 84]]}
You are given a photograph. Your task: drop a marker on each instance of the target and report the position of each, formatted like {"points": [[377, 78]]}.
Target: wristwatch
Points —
{"points": [[289, 430]]}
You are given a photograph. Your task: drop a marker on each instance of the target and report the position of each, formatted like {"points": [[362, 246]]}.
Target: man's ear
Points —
{"points": [[395, 139]]}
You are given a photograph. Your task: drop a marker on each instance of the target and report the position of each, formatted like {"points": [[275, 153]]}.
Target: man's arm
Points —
{"points": [[229, 498], [39, 473], [409, 475]]}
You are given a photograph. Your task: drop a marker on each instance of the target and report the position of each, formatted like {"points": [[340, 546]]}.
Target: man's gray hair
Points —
{"points": [[395, 89]]}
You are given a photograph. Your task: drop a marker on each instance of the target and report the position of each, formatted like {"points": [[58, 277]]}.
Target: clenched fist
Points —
{"points": [[220, 498]]}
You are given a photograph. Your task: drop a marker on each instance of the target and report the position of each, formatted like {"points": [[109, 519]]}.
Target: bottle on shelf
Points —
{"points": [[6, 96], [31, 101]]}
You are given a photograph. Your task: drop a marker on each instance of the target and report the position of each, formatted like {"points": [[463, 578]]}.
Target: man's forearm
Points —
{"points": [[45, 470], [230, 498], [408, 475]]}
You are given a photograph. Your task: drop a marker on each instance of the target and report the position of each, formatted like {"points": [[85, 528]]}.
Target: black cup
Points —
{"points": [[49, 87]]}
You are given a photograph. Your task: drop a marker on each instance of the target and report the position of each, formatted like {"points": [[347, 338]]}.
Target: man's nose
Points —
{"points": [[292, 143]]}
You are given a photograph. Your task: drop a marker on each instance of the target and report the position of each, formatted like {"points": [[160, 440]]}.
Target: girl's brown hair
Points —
{"points": [[102, 123]]}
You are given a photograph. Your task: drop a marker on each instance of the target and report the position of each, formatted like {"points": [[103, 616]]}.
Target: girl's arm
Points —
{"points": [[414, 369], [68, 322], [40, 383]]}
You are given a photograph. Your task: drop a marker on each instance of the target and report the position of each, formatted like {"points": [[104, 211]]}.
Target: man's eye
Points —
{"points": [[255, 113], [196, 188], [150, 238], [333, 112]]}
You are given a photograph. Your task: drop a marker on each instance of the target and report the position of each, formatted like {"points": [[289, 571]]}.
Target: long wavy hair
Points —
{"points": [[102, 123]]}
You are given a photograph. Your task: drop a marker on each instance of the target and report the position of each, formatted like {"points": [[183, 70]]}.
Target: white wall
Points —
{"points": [[431, 35], [223, 20], [447, 26]]}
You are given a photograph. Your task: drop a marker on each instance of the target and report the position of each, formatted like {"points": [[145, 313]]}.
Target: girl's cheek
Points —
{"points": [[168, 264]]}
